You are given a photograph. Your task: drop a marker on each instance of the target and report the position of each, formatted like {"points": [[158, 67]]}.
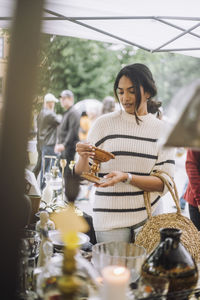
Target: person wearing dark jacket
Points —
{"points": [[68, 131], [47, 123], [192, 194]]}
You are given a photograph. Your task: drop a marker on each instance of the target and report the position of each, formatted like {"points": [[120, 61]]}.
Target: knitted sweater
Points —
{"points": [[136, 151]]}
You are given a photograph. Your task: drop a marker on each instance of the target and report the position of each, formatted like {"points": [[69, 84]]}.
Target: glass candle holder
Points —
{"points": [[123, 254]]}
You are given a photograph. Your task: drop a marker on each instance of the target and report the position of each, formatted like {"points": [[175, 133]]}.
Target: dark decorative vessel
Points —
{"points": [[170, 259]]}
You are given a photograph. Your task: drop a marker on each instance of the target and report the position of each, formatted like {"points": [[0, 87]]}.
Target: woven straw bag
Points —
{"points": [[149, 236]]}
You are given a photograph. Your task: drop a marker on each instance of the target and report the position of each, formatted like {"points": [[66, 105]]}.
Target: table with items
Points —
{"points": [[51, 268], [60, 258]]}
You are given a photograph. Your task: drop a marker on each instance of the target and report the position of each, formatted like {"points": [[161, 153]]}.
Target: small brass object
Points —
{"points": [[100, 156]]}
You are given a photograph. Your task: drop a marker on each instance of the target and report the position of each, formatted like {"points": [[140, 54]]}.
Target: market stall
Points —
{"points": [[151, 25]]}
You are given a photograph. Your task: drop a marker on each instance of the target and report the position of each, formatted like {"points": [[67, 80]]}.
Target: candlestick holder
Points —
{"points": [[99, 157]]}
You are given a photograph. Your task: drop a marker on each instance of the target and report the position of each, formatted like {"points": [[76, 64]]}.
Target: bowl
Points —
{"points": [[102, 155], [124, 254], [56, 238]]}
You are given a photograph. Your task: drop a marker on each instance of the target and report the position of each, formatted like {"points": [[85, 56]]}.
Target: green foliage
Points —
{"points": [[85, 67], [89, 68]]}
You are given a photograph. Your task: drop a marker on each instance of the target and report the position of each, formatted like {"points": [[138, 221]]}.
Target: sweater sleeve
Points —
{"points": [[193, 171]]}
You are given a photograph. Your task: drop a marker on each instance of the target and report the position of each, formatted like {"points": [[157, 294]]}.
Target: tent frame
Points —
{"points": [[161, 19]]}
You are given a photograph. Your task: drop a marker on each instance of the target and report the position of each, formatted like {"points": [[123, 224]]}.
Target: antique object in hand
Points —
{"points": [[100, 156]]}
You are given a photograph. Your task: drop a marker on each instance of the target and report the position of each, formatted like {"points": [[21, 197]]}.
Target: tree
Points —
{"points": [[85, 67], [89, 68]]}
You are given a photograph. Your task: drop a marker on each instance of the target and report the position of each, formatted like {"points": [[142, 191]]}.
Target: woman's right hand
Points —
{"points": [[85, 149]]}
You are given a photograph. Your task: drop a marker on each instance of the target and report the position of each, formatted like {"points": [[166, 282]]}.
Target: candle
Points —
{"points": [[115, 283]]}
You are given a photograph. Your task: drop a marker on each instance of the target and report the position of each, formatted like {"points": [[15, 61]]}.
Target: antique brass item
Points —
{"points": [[100, 156]]}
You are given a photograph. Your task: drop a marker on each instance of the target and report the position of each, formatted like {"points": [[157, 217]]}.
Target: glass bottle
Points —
{"points": [[47, 193], [23, 289]]}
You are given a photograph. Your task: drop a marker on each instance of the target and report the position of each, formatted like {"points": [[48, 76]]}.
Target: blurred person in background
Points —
{"points": [[85, 124], [68, 131], [108, 105], [47, 123], [192, 194]]}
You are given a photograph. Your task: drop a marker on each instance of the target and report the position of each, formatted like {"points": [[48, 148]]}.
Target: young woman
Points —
{"points": [[132, 135]]}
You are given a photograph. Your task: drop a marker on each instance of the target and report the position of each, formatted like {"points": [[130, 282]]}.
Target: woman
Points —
{"points": [[132, 136]]}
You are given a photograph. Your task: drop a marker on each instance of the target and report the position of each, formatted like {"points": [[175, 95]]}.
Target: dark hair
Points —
{"points": [[140, 75], [84, 113], [153, 107]]}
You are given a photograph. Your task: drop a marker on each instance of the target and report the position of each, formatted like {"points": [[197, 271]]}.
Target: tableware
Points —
{"points": [[56, 239], [33, 239], [124, 254], [100, 156]]}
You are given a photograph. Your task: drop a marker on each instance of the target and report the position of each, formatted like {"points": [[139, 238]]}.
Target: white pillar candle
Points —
{"points": [[115, 283]]}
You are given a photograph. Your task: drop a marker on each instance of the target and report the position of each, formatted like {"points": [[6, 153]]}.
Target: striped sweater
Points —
{"points": [[136, 151]]}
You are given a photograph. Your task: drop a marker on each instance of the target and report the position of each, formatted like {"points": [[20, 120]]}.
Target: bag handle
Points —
{"points": [[174, 193]]}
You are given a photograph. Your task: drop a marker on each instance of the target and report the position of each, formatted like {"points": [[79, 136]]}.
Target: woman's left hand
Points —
{"points": [[113, 178]]}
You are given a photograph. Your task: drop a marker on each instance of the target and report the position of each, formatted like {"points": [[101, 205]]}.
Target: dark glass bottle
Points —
{"points": [[171, 259]]}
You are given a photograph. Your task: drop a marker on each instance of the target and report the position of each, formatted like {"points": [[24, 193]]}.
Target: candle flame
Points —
{"points": [[118, 271]]}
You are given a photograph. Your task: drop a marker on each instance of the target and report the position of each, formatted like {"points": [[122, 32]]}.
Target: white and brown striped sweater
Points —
{"points": [[136, 151]]}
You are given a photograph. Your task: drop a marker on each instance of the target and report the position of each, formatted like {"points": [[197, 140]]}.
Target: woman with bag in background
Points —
{"points": [[132, 135]]}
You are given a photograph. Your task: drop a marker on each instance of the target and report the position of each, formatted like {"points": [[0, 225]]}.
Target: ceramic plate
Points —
{"points": [[55, 236]]}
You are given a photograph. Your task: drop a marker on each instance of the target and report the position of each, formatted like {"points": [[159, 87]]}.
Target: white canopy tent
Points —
{"points": [[152, 25]]}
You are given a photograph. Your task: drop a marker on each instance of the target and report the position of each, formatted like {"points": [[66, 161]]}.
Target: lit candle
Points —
{"points": [[115, 283]]}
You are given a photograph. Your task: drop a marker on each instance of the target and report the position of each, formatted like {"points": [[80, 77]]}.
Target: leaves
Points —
{"points": [[89, 68]]}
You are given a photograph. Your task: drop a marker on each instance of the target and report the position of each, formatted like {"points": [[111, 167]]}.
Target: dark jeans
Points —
{"points": [[195, 216], [47, 162]]}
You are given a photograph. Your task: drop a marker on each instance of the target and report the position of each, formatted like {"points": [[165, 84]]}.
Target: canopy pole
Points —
{"points": [[98, 30], [175, 26], [177, 37], [16, 117]]}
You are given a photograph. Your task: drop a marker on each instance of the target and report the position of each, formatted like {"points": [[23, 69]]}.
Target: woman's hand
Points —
{"points": [[85, 150], [113, 178]]}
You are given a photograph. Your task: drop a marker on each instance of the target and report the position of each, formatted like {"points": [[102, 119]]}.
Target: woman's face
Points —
{"points": [[127, 96]]}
